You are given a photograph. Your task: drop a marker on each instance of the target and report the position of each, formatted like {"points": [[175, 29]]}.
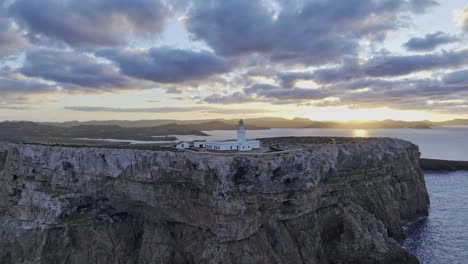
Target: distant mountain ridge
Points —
{"points": [[147, 130], [265, 123], [454, 122]]}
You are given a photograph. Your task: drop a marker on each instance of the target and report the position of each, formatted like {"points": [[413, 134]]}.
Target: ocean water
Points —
{"points": [[442, 237], [450, 143]]}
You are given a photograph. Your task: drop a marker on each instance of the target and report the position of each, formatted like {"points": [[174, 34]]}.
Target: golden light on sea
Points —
{"points": [[360, 133]]}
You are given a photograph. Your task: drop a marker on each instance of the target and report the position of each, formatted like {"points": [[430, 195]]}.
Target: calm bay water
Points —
{"points": [[443, 236], [450, 143]]}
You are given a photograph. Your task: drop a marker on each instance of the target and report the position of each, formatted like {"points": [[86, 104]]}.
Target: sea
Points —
{"points": [[449, 143], [443, 236]]}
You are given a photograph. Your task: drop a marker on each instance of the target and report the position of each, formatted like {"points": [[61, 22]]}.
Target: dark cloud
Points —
{"points": [[402, 65], [308, 32], [88, 23], [167, 65], [349, 69], [276, 94], [408, 93], [12, 86], [268, 93], [456, 77], [404, 94], [430, 41], [203, 109], [22, 91], [379, 66], [82, 72], [289, 79]]}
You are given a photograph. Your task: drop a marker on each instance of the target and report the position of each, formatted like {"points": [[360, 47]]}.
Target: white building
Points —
{"points": [[199, 144], [183, 145], [241, 144]]}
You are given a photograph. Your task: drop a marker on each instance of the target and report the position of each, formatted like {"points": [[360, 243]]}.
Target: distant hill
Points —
{"points": [[454, 122], [147, 129], [212, 124], [389, 124], [254, 123], [33, 131]]}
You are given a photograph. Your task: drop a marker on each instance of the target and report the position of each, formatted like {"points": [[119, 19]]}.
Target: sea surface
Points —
{"points": [[442, 238], [449, 143]]}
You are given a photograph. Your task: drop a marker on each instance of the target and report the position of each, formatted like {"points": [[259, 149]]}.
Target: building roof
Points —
{"points": [[230, 142]]}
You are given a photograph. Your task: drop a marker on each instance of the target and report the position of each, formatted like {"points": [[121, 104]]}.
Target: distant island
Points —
{"points": [[160, 130]]}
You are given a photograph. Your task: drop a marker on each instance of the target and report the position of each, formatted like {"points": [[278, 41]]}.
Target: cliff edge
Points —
{"points": [[324, 203]]}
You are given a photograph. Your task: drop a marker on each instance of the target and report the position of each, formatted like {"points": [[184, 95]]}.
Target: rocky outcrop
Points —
{"points": [[443, 165], [324, 203]]}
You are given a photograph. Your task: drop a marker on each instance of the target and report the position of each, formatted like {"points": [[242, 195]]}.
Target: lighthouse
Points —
{"points": [[241, 132], [241, 144]]}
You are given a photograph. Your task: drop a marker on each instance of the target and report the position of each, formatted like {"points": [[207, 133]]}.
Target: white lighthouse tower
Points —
{"points": [[241, 132], [241, 144]]}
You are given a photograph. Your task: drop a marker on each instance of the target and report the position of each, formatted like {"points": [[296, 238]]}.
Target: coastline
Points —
{"points": [[438, 165]]}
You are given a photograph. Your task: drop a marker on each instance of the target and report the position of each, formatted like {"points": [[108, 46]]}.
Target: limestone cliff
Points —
{"points": [[324, 203]]}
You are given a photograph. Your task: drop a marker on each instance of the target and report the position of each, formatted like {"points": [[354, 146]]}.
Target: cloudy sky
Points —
{"points": [[191, 59]]}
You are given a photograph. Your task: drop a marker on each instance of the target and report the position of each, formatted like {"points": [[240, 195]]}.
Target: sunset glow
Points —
{"points": [[353, 60]]}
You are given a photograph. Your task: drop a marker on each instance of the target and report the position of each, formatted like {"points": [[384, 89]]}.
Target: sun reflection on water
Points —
{"points": [[360, 133]]}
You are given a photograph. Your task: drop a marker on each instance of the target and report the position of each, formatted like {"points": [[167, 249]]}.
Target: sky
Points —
{"points": [[64, 60]]}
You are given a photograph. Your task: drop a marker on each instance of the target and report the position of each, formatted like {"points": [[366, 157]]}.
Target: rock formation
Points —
{"points": [[323, 203]]}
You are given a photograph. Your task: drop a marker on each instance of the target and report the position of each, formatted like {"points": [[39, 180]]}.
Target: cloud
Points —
{"points": [[23, 91], [430, 41], [167, 65], [456, 77], [406, 64], [349, 69], [461, 18], [465, 19], [409, 94], [89, 23], [421, 6], [203, 109], [75, 71], [23, 86], [279, 95], [12, 40], [379, 66], [306, 32], [235, 98], [8, 107]]}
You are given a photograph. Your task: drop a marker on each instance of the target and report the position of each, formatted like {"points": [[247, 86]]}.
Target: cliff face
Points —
{"points": [[334, 203]]}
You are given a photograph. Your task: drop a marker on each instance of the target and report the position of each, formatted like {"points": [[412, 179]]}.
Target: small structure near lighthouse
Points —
{"points": [[241, 144]]}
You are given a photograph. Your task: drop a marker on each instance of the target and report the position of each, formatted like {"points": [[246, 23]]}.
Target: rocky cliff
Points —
{"points": [[324, 203]]}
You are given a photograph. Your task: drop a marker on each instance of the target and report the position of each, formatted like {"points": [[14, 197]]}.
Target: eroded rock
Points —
{"points": [[332, 203]]}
